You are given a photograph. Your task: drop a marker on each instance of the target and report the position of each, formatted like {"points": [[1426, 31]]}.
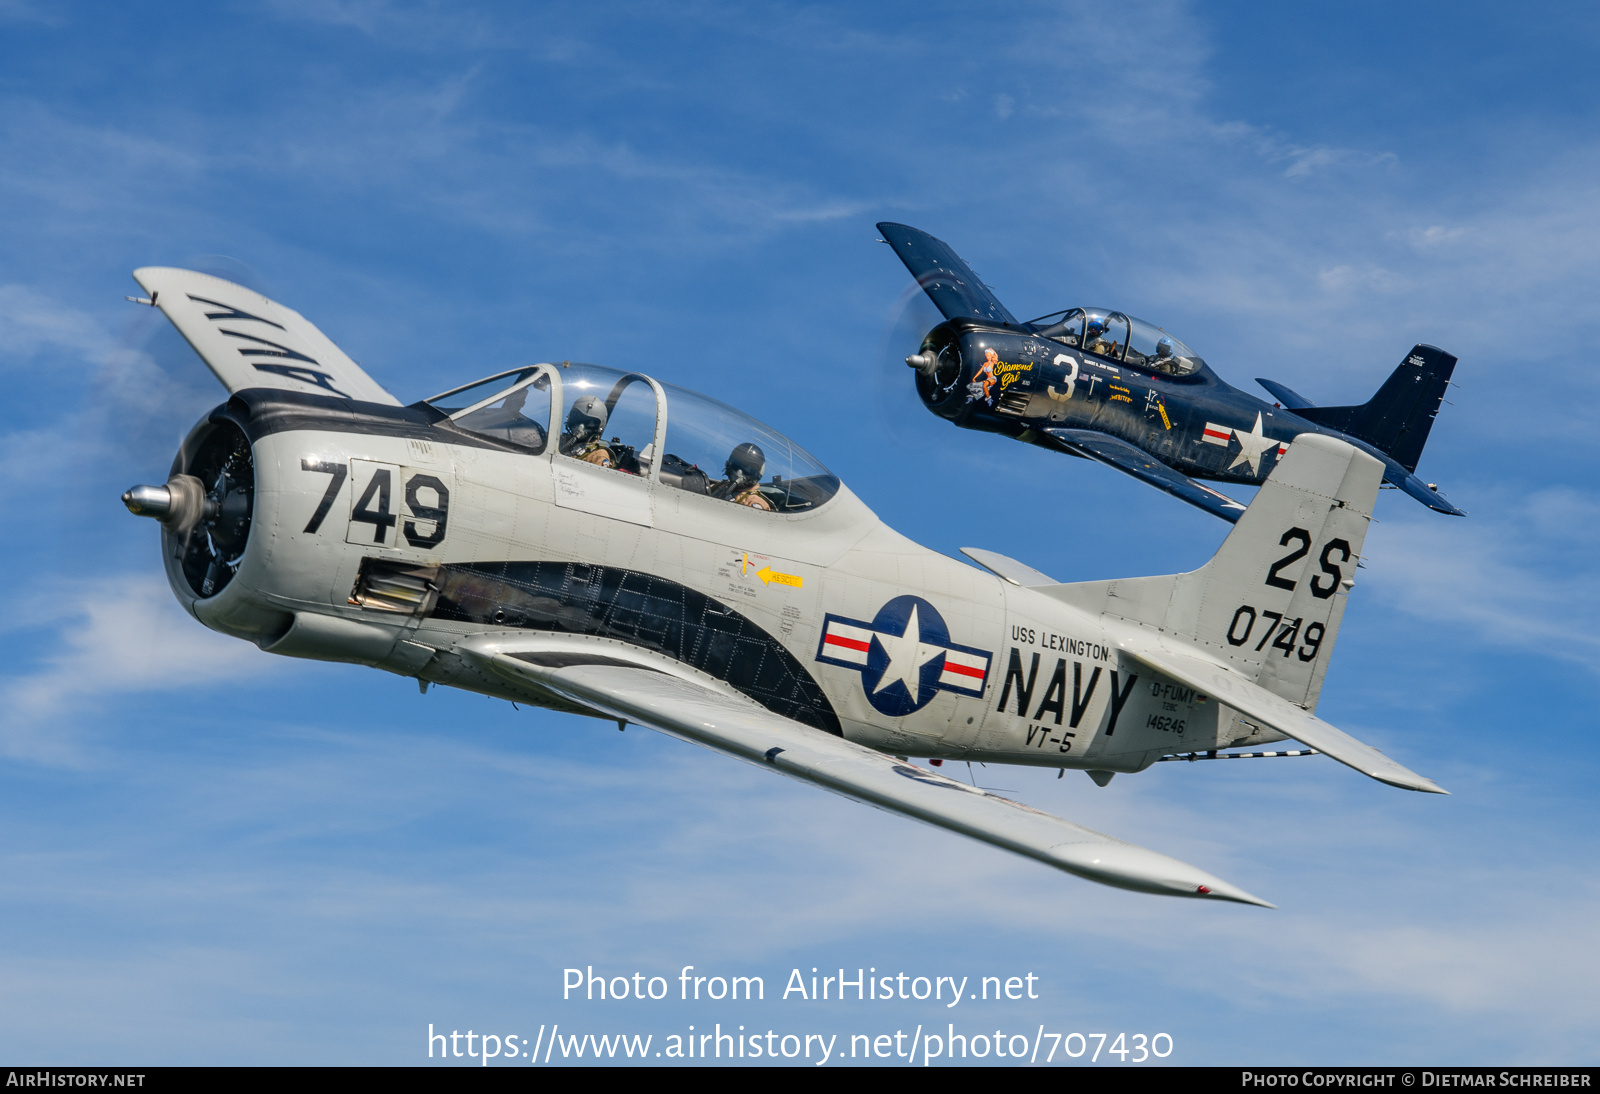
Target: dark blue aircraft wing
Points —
{"points": [[949, 282], [1141, 465]]}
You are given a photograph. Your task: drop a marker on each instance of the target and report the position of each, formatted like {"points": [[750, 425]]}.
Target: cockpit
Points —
{"points": [[635, 425], [1120, 338]]}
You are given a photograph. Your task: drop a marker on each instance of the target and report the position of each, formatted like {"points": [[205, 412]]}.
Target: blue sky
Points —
{"points": [[211, 855]]}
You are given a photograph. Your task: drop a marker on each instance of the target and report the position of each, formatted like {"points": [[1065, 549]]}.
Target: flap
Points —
{"points": [[631, 686], [250, 341]]}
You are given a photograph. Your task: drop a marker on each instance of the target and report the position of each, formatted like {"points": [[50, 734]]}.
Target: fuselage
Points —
{"points": [[1018, 384], [388, 536]]}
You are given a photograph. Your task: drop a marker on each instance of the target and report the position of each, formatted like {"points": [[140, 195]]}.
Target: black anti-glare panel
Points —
{"points": [[643, 610]]}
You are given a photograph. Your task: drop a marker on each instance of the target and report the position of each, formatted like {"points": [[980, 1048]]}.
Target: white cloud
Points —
{"points": [[31, 322], [1304, 162], [22, 11], [114, 637], [1519, 573]]}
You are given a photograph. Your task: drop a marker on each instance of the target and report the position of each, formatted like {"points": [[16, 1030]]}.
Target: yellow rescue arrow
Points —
{"points": [[768, 575]]}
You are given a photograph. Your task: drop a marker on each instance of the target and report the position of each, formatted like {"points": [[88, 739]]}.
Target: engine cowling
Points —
{"points": [[942, 373], [207, 509]]}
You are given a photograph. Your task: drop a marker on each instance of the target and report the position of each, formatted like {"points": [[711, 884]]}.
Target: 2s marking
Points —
{"points": [[1333, 570]]}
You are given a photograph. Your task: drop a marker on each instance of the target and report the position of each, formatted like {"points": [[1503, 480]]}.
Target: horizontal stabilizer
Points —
{"points": [[1260, 705], [1115, 452], [1424, 493], [1018, 573], [249, 341], [949, 282], [1254, 627], [1287, 396], [643, 695]]}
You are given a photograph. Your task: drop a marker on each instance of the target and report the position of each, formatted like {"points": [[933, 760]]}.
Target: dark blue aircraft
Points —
{"points": [[1106, 386]]}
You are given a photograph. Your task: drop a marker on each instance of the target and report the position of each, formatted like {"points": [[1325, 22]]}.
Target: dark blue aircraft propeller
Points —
{"points": [[1106, 386]]}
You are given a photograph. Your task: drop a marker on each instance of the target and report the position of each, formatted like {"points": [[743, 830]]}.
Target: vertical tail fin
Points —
{"points": [[1398, 418], [1270, 601]]}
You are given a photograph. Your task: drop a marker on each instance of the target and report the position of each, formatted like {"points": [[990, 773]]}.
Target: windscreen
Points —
{"points": [[520, 414]]}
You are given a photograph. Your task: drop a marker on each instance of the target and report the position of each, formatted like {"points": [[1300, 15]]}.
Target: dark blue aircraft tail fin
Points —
{"points": [[1397, 419]]}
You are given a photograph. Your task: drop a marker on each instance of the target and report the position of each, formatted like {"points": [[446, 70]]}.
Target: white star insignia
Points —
{"points": [[907, 655], [1252, 446]]}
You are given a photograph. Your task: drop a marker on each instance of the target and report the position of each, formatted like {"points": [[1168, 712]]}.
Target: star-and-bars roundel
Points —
{"points": [[904, 655]]}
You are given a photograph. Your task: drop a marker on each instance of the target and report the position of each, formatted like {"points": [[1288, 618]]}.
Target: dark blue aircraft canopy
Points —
{"points": [[1120, 337]]}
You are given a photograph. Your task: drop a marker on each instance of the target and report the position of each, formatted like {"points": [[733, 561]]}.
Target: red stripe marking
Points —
{"points": [[847, 643], [1215, 433], [951, 666]]}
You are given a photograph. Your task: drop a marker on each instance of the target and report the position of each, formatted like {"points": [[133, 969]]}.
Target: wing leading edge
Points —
{"points": [[1115, 452], [643, 695]]}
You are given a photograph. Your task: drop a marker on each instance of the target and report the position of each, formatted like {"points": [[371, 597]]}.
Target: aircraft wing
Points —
{"points": [[949, 282], [1115, 452], [250, 341], [1259, 704], [623, 683]]}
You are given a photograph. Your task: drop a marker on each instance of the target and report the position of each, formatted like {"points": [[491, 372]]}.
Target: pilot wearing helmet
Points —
{"points": [[583, 439], [1164, 361], [742, 486], [1094, 336], [1167, 360]]}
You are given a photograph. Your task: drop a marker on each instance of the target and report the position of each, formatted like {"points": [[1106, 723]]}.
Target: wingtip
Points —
{"points": [[1417, 782], [1233, 894]]}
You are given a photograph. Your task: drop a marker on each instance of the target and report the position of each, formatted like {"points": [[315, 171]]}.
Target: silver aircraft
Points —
{"points": [[604, 543]]}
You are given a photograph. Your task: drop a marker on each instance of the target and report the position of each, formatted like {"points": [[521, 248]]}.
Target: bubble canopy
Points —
{"points": [[634, 425], [1120, 337]]}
